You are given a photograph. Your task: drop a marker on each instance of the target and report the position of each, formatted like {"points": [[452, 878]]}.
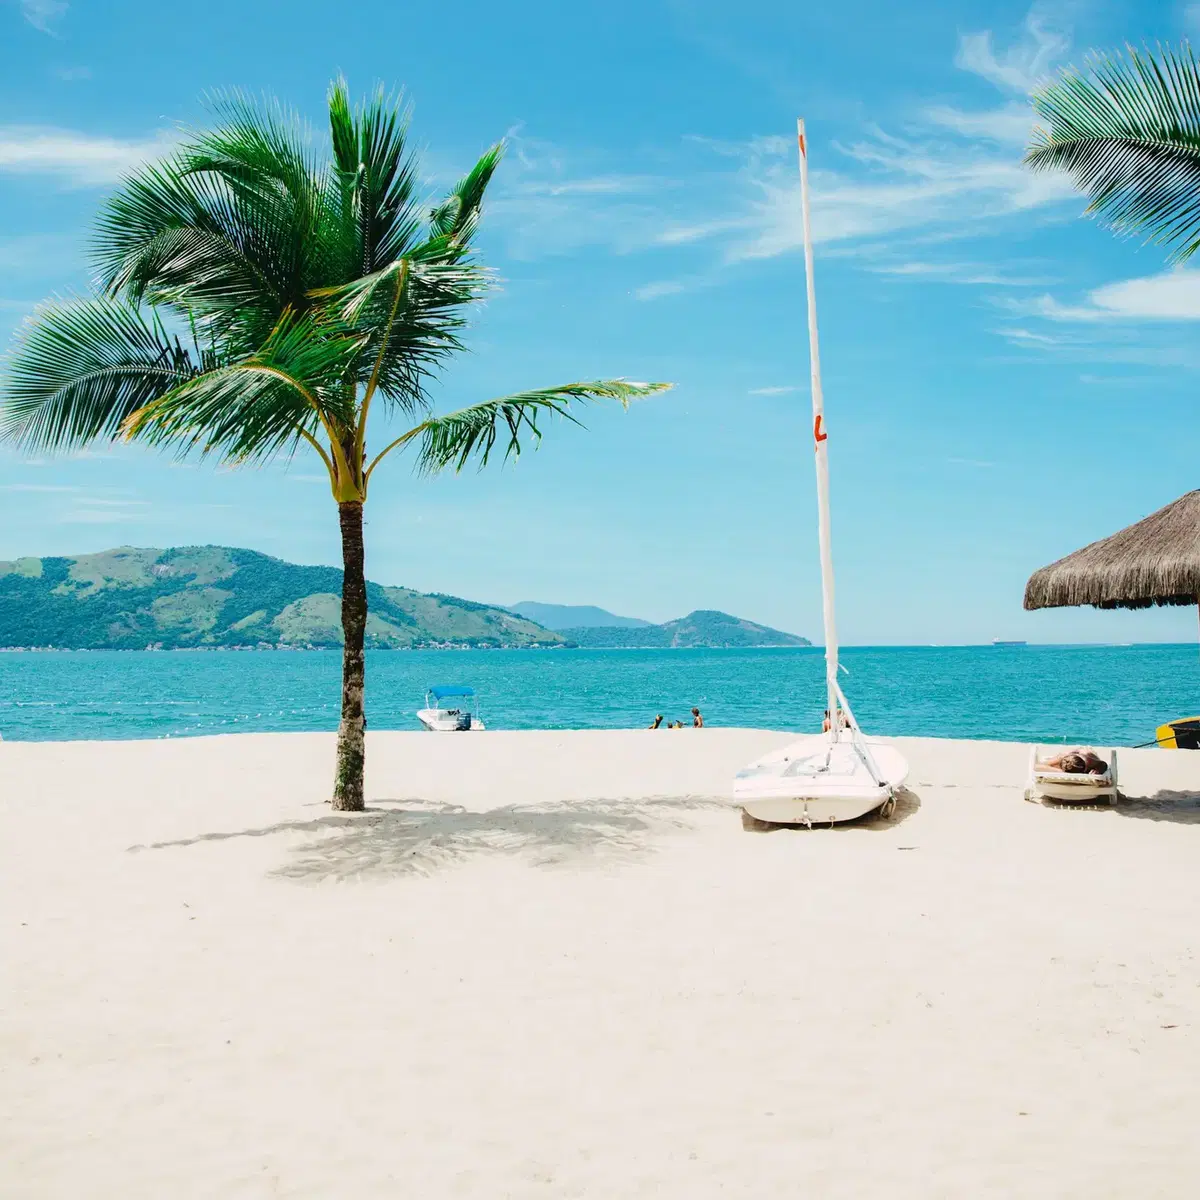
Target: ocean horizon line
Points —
{"points": [[279, 647]]}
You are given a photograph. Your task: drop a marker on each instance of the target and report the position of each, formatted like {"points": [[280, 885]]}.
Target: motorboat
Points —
{"points": [[450, 709], [1180, 734], [839, 774]]}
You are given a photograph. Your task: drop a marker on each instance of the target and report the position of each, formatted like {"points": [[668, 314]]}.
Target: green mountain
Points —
{"points": [[571, 616], [212, 596], [703, 628]]}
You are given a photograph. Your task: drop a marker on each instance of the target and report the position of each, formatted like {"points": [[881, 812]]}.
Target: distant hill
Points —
{"points": [[704, 628], [574, 616], [213, 596]]}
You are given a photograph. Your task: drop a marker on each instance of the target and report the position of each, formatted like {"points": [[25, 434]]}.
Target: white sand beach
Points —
{"points": [[554, 964]]}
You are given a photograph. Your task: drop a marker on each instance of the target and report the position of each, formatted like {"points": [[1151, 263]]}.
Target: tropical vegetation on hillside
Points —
{"points": [[257, 299], [1127, 128], [704, 628], [220, 597]]}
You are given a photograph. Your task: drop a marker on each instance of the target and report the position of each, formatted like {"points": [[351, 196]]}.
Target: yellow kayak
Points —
{"points": [[1183, 734]]}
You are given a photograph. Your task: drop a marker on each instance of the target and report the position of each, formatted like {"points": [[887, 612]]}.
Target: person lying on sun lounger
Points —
{"points": [[1077, 762]]}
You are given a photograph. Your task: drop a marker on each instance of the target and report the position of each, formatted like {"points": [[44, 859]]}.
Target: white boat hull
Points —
{"points": [[813, 781], [439, 720]]}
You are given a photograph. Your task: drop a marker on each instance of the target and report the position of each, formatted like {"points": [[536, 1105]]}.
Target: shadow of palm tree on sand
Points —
{"points": [[418, 837], [409, 837]]}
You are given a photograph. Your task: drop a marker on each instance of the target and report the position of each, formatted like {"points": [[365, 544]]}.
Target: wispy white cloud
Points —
{"points": [[1118, 381], [943, 170], [957, 272], [773, 391], [1139, 346], [885, 185], [78, 159], [72, 456], [702, 230], [1021, 66], [1030, 337], [96, 516], [1169, 296], [549, 202], [72, 74], [663, 287], [597, 185], [1010, 125], [92, 509], [948, 168], [37, 487], [44, 14]]}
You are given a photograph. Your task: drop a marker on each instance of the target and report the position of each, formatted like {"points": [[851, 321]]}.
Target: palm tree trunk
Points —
{"points": [[351, 747]]}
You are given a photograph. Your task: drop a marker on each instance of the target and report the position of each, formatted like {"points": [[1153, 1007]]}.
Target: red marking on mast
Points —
{"points": [[819, 434], [800, 139]]}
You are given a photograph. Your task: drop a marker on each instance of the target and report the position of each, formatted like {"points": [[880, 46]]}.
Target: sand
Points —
{"points": [[555, 965]]}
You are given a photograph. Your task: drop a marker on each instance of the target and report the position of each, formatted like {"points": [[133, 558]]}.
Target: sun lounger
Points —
{"points": [[1067, 787]]}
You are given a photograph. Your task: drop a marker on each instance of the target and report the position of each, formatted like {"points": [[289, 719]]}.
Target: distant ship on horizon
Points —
{"points": [[1002, 642]]}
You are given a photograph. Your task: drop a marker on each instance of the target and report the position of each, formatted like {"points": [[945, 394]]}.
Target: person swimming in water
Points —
{"points": [[656, 722], [697, 719]]}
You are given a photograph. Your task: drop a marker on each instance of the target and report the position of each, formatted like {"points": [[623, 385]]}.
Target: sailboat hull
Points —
{"points": [[815, 782]]}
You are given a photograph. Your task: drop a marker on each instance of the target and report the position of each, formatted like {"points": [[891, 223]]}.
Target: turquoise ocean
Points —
{"points": [[1102, 694]]}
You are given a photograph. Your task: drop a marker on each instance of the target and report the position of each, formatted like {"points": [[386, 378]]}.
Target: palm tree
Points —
{"points": [[1128, 129], [255, 300]]}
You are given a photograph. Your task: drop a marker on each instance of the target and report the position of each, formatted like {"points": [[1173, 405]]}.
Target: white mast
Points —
{"points": [[820, 439], [839, 775]]}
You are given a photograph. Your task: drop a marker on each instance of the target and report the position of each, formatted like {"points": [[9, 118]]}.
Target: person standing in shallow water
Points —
{"points": [[697, 719]]}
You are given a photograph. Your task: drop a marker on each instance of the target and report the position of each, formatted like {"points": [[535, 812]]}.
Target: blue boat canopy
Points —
{"points": [[441, 691]]}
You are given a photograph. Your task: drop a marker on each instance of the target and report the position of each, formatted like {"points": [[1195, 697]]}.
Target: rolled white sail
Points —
{"points": [[839, 775], [820, 445]]}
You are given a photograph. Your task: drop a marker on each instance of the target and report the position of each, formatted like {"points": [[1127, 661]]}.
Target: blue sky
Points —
{"points": [[1004, 380]]}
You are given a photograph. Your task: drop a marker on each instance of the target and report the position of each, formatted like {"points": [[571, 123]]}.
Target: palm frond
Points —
{"points": [[457, 438], [253, 408], [80, 369], [133, 249], [309, 286], [256, 140], [1127, 128], [409, 314], [376, 178], [226, 229], [457, 217]]}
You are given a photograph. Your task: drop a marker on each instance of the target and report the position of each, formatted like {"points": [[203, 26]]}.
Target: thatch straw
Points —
{"points": [[1156, 561]]}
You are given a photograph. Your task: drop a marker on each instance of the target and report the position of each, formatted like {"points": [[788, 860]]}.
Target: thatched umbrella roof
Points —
{"points": [[1156, 561]]}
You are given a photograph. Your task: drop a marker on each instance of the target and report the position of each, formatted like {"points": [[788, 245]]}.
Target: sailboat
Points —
{"points": [[839, 774]]}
